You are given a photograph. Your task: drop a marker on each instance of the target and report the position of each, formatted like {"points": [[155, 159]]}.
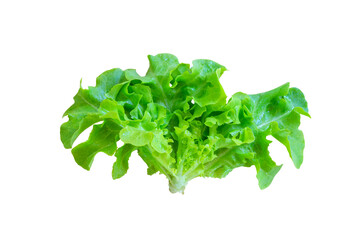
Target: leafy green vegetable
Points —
{"points": [[178, 120]]}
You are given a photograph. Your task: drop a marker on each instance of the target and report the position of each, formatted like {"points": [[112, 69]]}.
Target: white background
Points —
{"points": [[47, 46]]}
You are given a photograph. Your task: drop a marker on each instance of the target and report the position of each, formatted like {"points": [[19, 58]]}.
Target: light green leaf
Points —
{"points": [[71, 129], [84, 112], [102, 138], [277, 112], [266, 168], [121, 164]]}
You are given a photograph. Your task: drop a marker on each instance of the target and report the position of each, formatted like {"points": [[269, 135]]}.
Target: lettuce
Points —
{"points": [[178, 120]]}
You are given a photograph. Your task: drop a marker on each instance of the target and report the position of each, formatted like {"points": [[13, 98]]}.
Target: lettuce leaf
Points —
{"points": [[178, 120]]}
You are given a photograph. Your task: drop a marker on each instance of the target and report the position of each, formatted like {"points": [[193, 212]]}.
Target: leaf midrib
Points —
{"points": [[274, 119], [89, 103]]}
